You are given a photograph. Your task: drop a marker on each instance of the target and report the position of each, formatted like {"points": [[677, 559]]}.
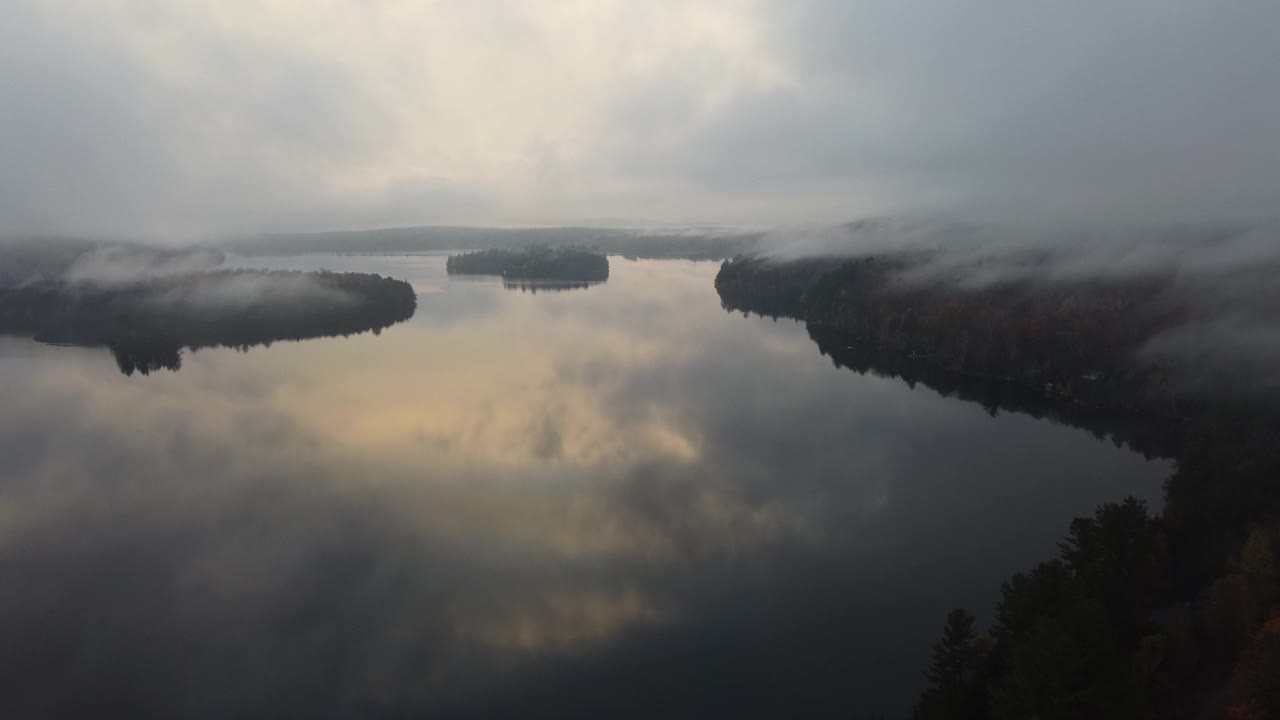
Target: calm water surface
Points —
{"points": [[602, 502]]}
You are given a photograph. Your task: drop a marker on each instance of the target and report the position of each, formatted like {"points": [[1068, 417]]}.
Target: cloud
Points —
{"points": [[974, 254], [239, 291], [109, 265], [182, 119]]}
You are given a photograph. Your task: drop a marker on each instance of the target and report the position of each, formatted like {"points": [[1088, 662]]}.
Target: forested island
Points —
{"points": [[1141, 615], [564, 263], [146, 322]]}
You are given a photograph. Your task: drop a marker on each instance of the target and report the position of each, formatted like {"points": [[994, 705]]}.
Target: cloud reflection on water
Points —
{"points": [[621, 501]]}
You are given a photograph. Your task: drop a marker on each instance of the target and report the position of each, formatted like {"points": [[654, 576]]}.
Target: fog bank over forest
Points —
{"points": [[976, 253], [1222, 280]]}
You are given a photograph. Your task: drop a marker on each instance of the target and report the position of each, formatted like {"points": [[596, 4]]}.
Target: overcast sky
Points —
{"points": [[183, 118]]}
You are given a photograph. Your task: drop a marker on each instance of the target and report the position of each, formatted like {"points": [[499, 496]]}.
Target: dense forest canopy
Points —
{"points": [[539, 262], [147, 321], [1142, 615], [1152, 341]]}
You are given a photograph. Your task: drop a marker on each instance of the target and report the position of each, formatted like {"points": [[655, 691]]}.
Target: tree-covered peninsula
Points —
{"points": [[567, 263], [148, 321], [1142, 615]]}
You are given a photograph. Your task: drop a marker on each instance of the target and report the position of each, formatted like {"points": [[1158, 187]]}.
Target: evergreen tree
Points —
{"points": [[957, 660]]}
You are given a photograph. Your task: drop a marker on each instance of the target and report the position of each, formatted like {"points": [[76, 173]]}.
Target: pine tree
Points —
{"points": [[953, 654], [956, 660]]}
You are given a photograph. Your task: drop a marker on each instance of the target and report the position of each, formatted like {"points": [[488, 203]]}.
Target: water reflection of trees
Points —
{"points": [[1153, 436], [147, 323], [147, 359], [536, 286]]}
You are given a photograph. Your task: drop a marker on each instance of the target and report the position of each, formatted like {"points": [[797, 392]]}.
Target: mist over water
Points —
{"points": [[550, 504]]}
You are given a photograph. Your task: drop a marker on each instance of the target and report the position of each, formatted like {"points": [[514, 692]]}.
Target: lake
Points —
{"points": [[610, 501]]}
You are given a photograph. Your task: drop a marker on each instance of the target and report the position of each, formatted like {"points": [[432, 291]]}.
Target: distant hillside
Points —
{"points": [[691, 244]]}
